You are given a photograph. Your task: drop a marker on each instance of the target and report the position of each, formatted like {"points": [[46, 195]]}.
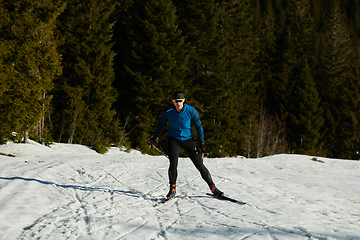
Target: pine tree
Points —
{"points": [[266, 57], [339, 97], [292, 63], [306, 120], [356, 68], [84, 93], [243, 47], [199, 23], [31, 63], [294, 48], [279, 70], [220, 43], [267, 62], [154, 64], [7, 71], [308, 117]]}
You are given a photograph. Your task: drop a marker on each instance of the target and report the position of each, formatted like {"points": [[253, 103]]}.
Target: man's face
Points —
{"points": [[179, 104]]}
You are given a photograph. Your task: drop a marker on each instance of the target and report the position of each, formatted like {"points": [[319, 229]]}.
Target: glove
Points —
{"points": [[151, 142], [203, 147]]}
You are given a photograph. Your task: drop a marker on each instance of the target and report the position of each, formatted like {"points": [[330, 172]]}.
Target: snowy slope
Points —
{"points": [[71, 192]]}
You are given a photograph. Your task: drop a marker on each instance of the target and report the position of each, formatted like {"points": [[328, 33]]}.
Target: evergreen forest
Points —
{"points": [[266, 76]]}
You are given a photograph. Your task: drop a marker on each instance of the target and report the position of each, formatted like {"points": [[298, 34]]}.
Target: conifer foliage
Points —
{"points": [[338, 87], [199, 21], [266, 76], [153, 64], [222, 46], [84, 94], [29, 63]]}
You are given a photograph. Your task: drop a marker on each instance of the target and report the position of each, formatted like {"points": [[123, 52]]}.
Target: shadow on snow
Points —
{"points": [[76, 187]]}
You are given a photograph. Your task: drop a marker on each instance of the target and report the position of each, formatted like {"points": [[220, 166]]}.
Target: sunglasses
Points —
{"points": [[178, 100]]}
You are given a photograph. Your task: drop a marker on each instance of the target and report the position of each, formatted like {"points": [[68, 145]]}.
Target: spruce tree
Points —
{"points": [[84, 93], [267, 56], [154, 65], [267, 63], [220, 58], [294, 48], [292, 64], [338, 87], [32, 63], [7, 71], [303, 133], [5, 46], [199, 23], [308, 119], [356, 68], [279, 70], [241, 56]]}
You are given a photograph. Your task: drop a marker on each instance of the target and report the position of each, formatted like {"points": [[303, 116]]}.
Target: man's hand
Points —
{"points": [[203, 147], [151, 142]]}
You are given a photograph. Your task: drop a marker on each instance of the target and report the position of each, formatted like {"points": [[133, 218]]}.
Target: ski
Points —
{"points": [[227, 199], [166, 200]]}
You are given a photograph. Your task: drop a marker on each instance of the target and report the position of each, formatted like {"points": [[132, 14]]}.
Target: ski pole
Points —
{"points": [[153, 145]]}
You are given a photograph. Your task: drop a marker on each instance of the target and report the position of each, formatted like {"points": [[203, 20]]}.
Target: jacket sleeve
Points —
{"points": [[198, 126], [160, 124]]}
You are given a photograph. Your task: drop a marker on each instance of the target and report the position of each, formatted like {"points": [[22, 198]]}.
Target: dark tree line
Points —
{"points": [[266, 76]]}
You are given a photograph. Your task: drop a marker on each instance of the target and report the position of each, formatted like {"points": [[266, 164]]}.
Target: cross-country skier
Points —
{"points": [[181, 117]]}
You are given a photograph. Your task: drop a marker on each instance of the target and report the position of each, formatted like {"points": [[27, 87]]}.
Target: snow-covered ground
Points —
{"points": [[72, 192]]}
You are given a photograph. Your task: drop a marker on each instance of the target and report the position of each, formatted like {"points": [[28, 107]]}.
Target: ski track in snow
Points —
{"points": [[63, 194]]}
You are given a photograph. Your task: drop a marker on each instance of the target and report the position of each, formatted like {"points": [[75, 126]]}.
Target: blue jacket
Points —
{"points": [[180, 123]]}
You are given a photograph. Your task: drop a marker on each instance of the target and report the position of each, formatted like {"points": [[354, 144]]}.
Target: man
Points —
{"points": [[181, 117]]}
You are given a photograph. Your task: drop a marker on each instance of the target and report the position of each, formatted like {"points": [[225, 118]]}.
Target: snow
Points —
{"points": [[71, 192]]}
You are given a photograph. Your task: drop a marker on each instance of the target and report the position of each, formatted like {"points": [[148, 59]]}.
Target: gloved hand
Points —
{"points": [[203, 147], [151, 142]]}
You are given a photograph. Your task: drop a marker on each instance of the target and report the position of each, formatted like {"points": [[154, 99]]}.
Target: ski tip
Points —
{"points": [[168, 199], [227, 199]]}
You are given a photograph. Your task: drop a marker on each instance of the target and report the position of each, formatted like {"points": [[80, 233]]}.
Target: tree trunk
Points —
{"points": [[73, 127]]}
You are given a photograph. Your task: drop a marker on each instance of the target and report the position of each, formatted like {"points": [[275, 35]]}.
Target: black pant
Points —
{"points": [[191, 150]]}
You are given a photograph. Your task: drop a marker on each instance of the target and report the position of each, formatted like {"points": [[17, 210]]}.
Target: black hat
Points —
{"points": [[178, 95]]}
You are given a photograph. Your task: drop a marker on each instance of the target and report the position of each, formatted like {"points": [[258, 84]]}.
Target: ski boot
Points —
{"points": [[172, 192], [216, 192]]}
